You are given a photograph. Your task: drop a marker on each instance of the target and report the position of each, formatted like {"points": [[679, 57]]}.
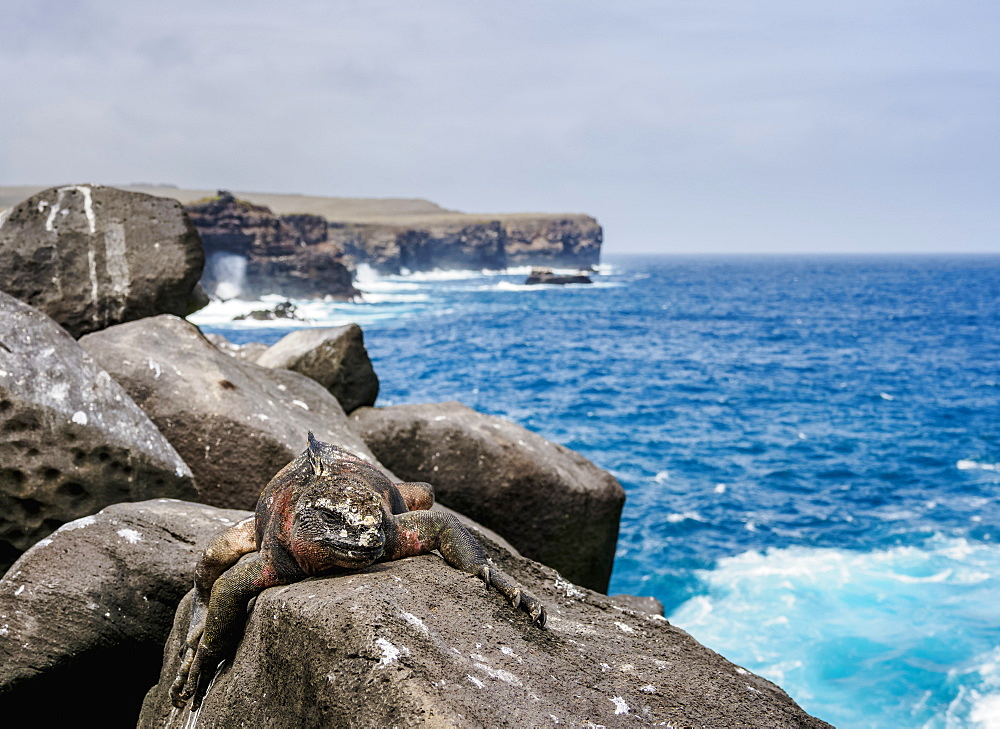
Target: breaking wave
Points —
{"points": [[856, 636]]}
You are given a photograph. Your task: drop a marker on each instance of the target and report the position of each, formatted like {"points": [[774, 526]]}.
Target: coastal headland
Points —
{"points": [[308, 246]]}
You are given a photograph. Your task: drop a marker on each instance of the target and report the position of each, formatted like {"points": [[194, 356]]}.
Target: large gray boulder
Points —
{"points": [[335, 357], [92, 256], [415, 643], [551, 503], [84, 613], [234, 423], [71, 439]]}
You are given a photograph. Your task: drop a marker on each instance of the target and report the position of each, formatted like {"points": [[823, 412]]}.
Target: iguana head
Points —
{"points": [[338, 515]]}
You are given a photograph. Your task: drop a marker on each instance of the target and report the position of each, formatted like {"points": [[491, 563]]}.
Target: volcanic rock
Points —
{"points": [[640, 604], [282, 310], [572, 241], [460, 241], [252, 252], [546, 276], [554, 505], [334, 357], [92, 256], [71, 440], [234, 423], [415, 643], [84, 613]]}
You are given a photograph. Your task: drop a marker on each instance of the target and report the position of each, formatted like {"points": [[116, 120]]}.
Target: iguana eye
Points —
{"points": [[330, 517]]}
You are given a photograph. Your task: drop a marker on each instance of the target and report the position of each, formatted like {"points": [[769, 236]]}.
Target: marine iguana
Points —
{"points": [[325, 512]]}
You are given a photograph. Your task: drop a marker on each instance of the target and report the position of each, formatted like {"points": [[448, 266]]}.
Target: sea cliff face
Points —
{"points": [[460, 241], [391, 238], [250, 252]]}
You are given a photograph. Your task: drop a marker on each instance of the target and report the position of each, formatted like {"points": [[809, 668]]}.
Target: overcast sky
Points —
{"points": [[684, 126]]}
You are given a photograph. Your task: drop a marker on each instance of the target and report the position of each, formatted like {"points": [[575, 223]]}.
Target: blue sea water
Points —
{"points": [[810, 449]]}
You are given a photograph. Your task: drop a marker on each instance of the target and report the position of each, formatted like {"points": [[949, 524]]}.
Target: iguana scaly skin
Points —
{"points": [[325, 512]]}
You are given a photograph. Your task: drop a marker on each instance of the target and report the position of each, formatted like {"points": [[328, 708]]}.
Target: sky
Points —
{"points": [[683, 126]]}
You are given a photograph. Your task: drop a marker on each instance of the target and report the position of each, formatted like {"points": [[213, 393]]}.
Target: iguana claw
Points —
{"points": [[515, 599]]}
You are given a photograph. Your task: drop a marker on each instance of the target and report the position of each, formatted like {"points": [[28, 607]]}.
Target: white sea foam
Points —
{"points": [[382, 296], [512, 286], [391, 297], [969, 465], [801, 615], [444, 275], [685, 516], [313, 313], [392, 285]]}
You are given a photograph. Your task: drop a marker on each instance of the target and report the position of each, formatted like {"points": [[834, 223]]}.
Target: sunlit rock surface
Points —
{"points": [[415, 643], [91, 256], [71, 439], [335, 357]]}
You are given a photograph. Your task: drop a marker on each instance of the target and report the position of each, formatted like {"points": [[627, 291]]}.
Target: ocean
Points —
{"points": [[810, 448]]}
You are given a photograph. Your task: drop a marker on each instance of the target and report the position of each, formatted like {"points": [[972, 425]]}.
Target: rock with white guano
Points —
{"points": [[91, 256], [71, 439]]}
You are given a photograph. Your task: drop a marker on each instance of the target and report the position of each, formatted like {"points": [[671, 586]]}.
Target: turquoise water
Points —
{"points": [[810, 448]]}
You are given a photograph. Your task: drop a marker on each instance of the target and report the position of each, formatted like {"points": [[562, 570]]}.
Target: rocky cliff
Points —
{"points": [[250, 252], [460, 241], [391, 236]]}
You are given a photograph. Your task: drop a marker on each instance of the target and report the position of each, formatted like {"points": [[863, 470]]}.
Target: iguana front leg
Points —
{"points": [[223, 624], [419, 532], [223, 552]]}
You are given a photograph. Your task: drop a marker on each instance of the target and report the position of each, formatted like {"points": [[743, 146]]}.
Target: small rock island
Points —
{"points": [[547, 276]]}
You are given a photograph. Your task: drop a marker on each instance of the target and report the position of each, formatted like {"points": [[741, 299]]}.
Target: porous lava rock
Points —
{"points": [[84, 613], [640, 604], [91, 256], [415, 643], [234, 423], [551, 503], [335, 357], [71, 439]]}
